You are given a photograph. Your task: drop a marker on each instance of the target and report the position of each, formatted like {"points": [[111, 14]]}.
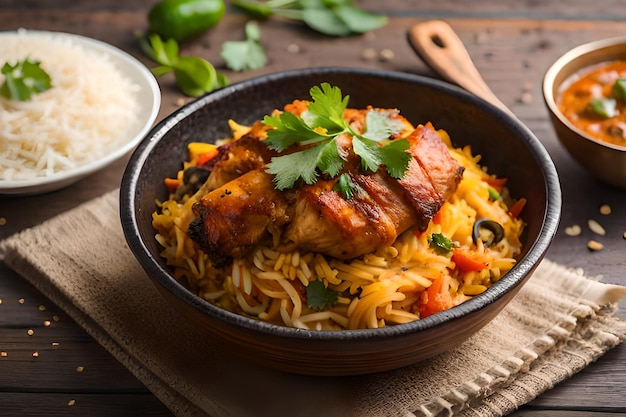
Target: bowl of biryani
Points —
{"points": [[408, 230], [585, 93], [100, 102]]}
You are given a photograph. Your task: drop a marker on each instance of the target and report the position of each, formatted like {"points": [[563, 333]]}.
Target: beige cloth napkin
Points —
{"points": [[80, 260]]}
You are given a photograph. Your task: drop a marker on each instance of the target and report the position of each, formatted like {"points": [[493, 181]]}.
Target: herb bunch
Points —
{"points": [[317, 130], [329, 17]]}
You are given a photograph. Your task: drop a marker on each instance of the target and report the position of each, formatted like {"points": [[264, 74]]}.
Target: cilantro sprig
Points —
{"points": [[24, 79], [194, 75], [247, 54], [317, 130], [330, 17], [319, 296]]}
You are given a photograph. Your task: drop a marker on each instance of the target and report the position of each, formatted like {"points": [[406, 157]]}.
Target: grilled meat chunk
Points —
{"points": [[242, 208]]}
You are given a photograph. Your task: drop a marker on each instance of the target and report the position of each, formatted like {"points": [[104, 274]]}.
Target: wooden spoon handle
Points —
{"points": [[442, 50]]}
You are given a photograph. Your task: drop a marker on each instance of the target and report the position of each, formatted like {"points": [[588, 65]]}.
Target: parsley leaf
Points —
{"points": [[440, 243], [245, 55], [320, 125], [24, 79], [320, 297]]}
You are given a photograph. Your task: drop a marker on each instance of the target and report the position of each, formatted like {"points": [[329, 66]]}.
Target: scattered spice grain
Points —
{"points": [[56, 318], [293, 48], [605, 209], [30, 332], [369, 54], [47, 323], [42, 307], [21, 301], [55, 344], [80, 369], [387, 55], [35, 354], [573, 230], [71, 403], [594, 245], [3, 221], [4, 354], [595, 227]]}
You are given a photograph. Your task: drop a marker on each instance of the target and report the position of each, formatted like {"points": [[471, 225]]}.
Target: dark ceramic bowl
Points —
{"points": [[604, 161], [508, 149]]}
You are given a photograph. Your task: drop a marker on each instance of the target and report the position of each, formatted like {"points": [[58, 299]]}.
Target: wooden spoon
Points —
{"points": [[442, 50]]}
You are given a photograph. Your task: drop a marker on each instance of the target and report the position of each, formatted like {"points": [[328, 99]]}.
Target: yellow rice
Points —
{"points": [[375, 290]]}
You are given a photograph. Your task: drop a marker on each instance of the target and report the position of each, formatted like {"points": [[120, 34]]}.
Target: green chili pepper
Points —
{"points": [[183, 19]]}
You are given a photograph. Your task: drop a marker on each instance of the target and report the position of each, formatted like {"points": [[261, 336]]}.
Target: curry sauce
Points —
{"points": [[595, 104]]}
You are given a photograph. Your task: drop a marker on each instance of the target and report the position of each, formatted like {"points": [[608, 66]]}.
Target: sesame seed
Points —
{"points": [[594, 245], [55, 344], [42, 307], [71, 403], [35, 354], [595, 227], [605, 209], [80, 369], [21, 301]]}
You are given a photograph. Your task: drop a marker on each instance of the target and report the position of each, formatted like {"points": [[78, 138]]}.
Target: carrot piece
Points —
{"points": [[206, 157], [496, 183], [435, 299], [469, 260], [517, 207], [171, 184]]}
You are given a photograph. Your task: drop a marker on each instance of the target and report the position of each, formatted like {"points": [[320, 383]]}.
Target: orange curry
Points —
{"points": [[595, 102]]}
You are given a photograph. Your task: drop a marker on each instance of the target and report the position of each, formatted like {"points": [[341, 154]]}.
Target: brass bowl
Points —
{"points": [[507, 147], [605, 161]]}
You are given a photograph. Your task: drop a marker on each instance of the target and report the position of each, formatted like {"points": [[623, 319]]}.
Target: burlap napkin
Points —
{"points": [[551, 330]]}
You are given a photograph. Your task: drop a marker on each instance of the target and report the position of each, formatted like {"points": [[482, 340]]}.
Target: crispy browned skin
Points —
{"points": [[242, 208]]}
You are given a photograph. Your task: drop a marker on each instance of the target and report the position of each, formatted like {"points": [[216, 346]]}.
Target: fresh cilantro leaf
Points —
{"points": [[440, 243], [358, 20], [345, 186], [318, 296], [289, 129], [328, 106], [329, 17], [329, 161], [194, 75], [378, 126], [24, 79], [245, 55], [320, 125], [291, 167], [396, 158]]}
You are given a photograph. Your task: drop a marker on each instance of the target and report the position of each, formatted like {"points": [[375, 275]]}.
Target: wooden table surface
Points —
{"points": [[512, 44]]}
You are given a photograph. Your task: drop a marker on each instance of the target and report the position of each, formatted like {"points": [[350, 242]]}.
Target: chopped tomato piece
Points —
{"points": [[517, 207], [469, 260], [435, 299]]}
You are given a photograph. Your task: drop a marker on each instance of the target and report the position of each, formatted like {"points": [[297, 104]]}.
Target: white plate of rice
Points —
{"points": [[101, 104]]}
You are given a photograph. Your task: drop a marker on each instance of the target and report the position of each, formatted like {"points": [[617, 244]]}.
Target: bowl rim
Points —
{"points": [[149, 100], [535, 253], [557, 66]]}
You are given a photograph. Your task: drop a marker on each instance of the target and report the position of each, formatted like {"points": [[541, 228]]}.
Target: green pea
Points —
{"points": [[183, 19]]}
